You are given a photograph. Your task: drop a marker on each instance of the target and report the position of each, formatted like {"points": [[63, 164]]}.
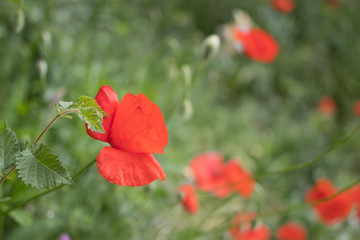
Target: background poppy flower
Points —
{"points": [[356, 196], [135, 128], [258, 44], [334, 3], [356, 108], [238, 178], [331, 211], [207, 169], [242, 229], [284, 6], [212, 175], [291, 231], [327, 105], [190, 199]]}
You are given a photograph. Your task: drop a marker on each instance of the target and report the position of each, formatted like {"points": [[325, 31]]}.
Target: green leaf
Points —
{"points": [[40, 168], [8, 150], [90, 112], [64, 105]]}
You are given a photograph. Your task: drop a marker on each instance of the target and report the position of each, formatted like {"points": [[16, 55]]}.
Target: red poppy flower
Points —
{"points": [[331, 211], [284, 6], [212, 175], [238, 178], [242, 230], [135, 129], [356, 108], [190, 200], [257, 44], [327, 106], [356, 195], [334, 3], [291, 231]]}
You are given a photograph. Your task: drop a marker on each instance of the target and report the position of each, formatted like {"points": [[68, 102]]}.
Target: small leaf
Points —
{"points": [[64, 105], [40, 168], [8, 150], [90, 112]]}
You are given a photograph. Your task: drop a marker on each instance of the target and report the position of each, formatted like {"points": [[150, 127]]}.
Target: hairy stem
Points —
{"points": [[50, 190], [7, 174], [52, 121], [39, 137]]}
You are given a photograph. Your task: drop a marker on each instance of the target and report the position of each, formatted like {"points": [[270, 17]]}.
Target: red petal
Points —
{"points": [[107, 99], [207, 171], [334, 210], [291, 231], [138, 126], [190, 199], [258, 44], [238, 178], [284, 6], [128, 169]]}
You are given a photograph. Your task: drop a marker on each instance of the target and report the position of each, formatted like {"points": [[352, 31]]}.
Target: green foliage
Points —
{"points": [[40, 168], [8, 150], [90, 112], [63, 105]]}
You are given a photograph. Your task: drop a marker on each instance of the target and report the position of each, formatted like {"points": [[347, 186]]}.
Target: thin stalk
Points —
{"points": [[315, 160], [303, 204], [52, 121], [7, 174], [50, 190], [39, 137]]}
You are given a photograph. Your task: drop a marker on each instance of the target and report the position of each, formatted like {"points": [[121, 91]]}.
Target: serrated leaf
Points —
{"points": [[8, 150], [90, 112], [40, 168], [64, 105]]}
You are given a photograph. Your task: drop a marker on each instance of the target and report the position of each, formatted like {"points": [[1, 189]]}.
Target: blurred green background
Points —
{"points": [[264, 114]]}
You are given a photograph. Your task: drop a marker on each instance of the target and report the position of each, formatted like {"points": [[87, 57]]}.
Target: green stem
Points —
{"points": [[303, 204], [315, 160], [50, 190], [52, 121], [7, 174], [39, 137]]}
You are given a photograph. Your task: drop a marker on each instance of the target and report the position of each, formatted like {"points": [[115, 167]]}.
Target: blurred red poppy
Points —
{"points": [[356, 195], [291, 231], [327, 105], [190, 200], [334, 3], [284, 6], [135, 128], [356, 108], [212, 175], [330, 211], [242, 229], [257, 44]]}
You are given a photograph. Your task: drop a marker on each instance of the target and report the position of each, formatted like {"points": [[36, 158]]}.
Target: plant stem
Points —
{"points": [[52, 121], [303, 204], [7, 174], [50, 190], [315, 160], [39, 137]]}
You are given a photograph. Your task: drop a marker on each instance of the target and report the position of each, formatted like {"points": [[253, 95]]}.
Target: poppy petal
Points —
{"points": [[139, 126], [207, 170], [258, 44], [238, 178], [190, 199], [107, 99], [291, 231], [128, 169]]}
